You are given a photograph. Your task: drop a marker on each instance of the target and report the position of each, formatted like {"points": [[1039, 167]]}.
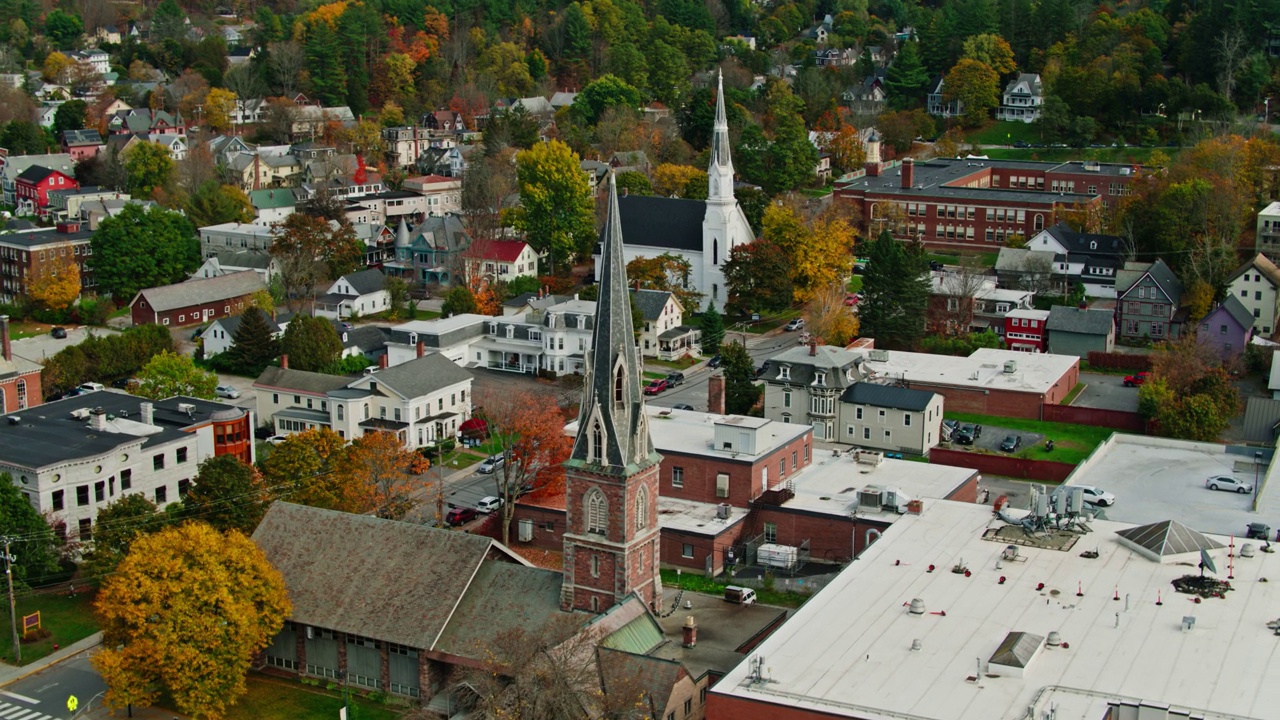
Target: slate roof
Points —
{"points": [[648, 679], [1238, 312], [669, 223], [651, 302], [1064, 318], [388, 580], [444, 232], [500, 598], [365, 282], [1169, 537], [300, 380], [418, 377], [201, 290], [1078, 242], [1160, 273], [887, 396], [35, 174], [1031, 79], [366, 337], [802, 365]]}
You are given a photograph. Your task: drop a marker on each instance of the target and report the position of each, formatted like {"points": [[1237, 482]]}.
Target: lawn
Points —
{"points": [[28, 328], [67, 619], [768, 323], [1075, 392], [654, 375], [855, 283], [1137, 155], [681, 364], [459, 459], [696, 582], [279, 699], [1072, 443], [1004, 133]]}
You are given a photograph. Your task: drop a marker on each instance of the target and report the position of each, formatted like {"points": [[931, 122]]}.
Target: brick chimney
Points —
{"points": [[382, 361], [422, 348], [908, 173], [813, 347], [4, 338], [715, 394], [690, 631], [284, 361], [98, 419]]}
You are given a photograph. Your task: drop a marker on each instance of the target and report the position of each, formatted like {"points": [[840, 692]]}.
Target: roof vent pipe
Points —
{"points": [[917, 606], [915, 645], [1054, 639]]}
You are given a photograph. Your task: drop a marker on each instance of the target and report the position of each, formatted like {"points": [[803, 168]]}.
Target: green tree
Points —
{"points": [[668, 74], [324, 60], [458, 300], [214, 203], [712, 330], [907, 78], [149, 166], [24, 138], [63, 28], [991, 50], [35, 545], [740, 390], [169, 374], [310, 342], [606, 91], [254, 344], [758, 278], [634, 183], [142, 248], [69, 116], [227, 494], [577, 35], [556, 211], [975, 85], [896, 288], [310, 251], [398, 297], [168, 21], [187, 598], [122, 521]]}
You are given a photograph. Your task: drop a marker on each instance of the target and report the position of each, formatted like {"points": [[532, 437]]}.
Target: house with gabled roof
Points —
{"points": [[1257, 285], [664, 334], [1149, 302], [359, 293], [1079, 331], [146, 121], [1091, 259], [429, 252], [1022, 99], [80, 144], [197, 300], [1227, 328], [32, 187], [503, 260]]}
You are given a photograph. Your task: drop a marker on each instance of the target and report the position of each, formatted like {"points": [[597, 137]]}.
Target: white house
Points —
{"points": [[890, 418], [355, 294], [226, 262], [1267, 239], [220, 334], [1022, 99], [664, 334], [234, 236], [1257, 286], [421, 401], [175, 144], [503, 260], [443, 194]]}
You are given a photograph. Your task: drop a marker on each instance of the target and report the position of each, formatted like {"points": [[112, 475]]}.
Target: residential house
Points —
{"points": [[1150, 302], [889, 418], [196, 301], [596, 172], [444, 122], [430, 253], [833, 57], [405, 143], [562, 99], [175, 144], [804, 384], [664, 334], [147, 122], [80, 144], [355, 294], [868, 97], [1227, 328], [964, 302], [97, 60], [1024, 330], [235, 236], [386, 207], [11, 166], [19, 377], [442, 160], [630, 161], [1089, 259], [421, 401], [261, 169], [504, 260], [443, 194], [30, 253], [451, 337], [1257, 286], [82, 453], [537, 106], [567, 329], [226, 147], [219, 335], [240, 56], [32, 187], [1267, 238], [818, 33], [92, 212], [1079, 331], [227, 262], [107, 34], [1022, 99], [937, 104], [273, 205], [312, 119], [369, 341], [67, 204]]}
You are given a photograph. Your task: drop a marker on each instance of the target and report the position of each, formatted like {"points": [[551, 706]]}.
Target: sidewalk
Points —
{"points": [[10, 674]]}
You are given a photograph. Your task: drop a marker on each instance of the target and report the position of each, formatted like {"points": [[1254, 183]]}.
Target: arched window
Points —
{"points": [[339, 407], [3, 407], [22, 394], [597, 442], [715, 251], [642, 508], [1039, 222], [618, 382], [597, 511]]}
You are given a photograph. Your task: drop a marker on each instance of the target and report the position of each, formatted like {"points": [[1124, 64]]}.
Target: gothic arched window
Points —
{"points": [[715, 251], [618, 383], [597, 511], [642, 508], [597, 442]]}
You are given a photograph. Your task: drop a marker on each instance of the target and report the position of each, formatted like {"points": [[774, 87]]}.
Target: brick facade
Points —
{"points": [[747, 479], [602, 569], [1005, 403]]}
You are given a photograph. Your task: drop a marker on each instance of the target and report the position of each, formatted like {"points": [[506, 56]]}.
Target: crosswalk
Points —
{"points": [[14, 711]]}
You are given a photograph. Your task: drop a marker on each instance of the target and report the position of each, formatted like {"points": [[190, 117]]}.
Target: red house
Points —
{"points": [[1024, 330], [80, 144], [32, 187]]}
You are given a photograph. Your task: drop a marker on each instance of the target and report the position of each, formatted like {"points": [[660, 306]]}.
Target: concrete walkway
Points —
{"points": [[10, 674]]}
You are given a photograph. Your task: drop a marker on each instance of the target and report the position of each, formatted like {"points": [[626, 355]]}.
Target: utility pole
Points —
{"points": [[13, 613]]}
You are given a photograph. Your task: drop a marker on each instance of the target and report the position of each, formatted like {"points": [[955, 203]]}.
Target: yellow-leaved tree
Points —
{"points": [[55, 283], [820, 251], [670, 180], [219, 105], [183, 615], [829, 320]]}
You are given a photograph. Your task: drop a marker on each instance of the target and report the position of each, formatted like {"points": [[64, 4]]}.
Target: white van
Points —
{"points": [[489, 504], [739, 595]]}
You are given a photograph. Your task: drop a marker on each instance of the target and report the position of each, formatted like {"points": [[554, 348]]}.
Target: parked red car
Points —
{"points": [[850, 299], [1136, 380], [656, 387], [460, 516]]}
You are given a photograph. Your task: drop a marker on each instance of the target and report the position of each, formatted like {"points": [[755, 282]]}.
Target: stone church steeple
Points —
{"points": [[611, 479]]}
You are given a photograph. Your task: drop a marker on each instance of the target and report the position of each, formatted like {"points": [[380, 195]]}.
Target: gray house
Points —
{"points": [[1226, 329], [890, 418], [804, 385], [1080, 331], [1149, 299]]}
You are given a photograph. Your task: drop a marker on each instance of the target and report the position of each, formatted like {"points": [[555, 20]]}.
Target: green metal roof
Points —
{"points": [[638, 636]]}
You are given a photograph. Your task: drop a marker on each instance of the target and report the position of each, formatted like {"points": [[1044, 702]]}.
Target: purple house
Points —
{"points": [[1226, 328]]}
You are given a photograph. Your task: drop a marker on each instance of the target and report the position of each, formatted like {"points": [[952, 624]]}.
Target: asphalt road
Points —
{"points": [[694, 390], [1107, 392], [39, 347], [47, 691]]}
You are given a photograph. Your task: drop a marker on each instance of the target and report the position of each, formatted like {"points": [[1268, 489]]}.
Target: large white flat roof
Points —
{"points": [[444, 325], [830, 484], [1157, 479], [848, 651], [693, 432], [696, 517], [1034, 372]]}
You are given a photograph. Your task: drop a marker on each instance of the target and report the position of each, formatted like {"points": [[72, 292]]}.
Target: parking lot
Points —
{"points": [[39, 347], [1106, 392], [993, 435]]}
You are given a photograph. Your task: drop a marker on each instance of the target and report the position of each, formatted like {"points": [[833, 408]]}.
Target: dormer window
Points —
{"points": [[784, 372], [493, 328], [820, 378], [511, 331], [1093, 244]]}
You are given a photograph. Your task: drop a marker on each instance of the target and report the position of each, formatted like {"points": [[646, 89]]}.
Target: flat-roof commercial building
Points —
{"points": [[941, 620]]}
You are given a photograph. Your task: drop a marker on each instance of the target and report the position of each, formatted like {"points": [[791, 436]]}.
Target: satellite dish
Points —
{"points": [[1206, 562]]}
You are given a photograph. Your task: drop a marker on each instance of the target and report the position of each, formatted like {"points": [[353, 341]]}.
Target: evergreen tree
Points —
{"points": [[712, 330], [254, 345], [740, 389], [35, 546], [324, 59], [227, 494], [577, 35], [907, 79], [896, 285], [168, 21], [459, 299], [310, 342]]}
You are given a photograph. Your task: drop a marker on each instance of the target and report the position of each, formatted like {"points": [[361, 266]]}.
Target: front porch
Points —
{"points": [[678, 342]]}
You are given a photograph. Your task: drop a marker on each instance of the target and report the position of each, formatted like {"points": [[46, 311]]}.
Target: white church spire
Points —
{"points": [[720, 171]]}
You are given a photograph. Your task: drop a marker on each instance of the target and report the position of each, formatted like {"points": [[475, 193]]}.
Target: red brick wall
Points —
{"points": [[544, 539], [34, 394], [1044, 470], [634, 566], [702, 546], [724, 707], [191, 315], [1118, 419], [745, 478]]}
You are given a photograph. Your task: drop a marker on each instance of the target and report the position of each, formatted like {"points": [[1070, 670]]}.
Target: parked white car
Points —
{"points": [[1098, 496], [489, 504], [1226, 482], [226, 391]]}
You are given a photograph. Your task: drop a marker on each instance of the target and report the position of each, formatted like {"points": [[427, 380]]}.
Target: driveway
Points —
{"points": [[39, 347], [993, 435], [1106, 392]]}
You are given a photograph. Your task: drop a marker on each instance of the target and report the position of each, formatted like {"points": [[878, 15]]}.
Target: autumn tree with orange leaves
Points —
{"points": [[55, 284], [529, 432], [386, 472]]}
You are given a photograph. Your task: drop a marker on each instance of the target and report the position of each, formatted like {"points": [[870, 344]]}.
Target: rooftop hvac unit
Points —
{"points": [[878, 355], [80, 413], [869, 497], [525, 530], [1126, 171], [1010, 367], [722, 511], [187, 408], [868, 457]]}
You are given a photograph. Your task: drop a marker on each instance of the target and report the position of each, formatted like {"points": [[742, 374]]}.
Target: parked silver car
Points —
{"points": [[1226, 482]]}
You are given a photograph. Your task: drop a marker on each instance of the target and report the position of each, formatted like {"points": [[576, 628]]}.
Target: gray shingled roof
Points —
{"points": [[1160, 273], [887, 396], [201, 290], [670, 223], [1169, 537], [300, 380], [419, 377], [802, 366], [1238, 312], [649, 680], [650, 302], [388, 580], [502, 598], [1064, 318], [367, 281]]}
